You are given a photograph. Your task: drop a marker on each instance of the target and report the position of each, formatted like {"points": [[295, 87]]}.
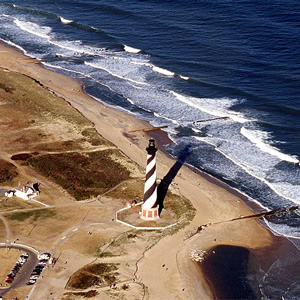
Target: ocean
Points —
{"points": [[222, 75]]}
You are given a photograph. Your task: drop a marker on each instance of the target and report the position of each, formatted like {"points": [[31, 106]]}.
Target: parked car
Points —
{"points": [[36, 272], [22, 260], [44, 256], [9, 280], [31, 281]]}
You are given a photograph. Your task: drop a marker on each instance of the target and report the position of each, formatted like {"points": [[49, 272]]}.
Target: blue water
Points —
{"points": [[176, 62]]}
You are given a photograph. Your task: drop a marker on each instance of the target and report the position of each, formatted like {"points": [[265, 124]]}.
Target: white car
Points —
{"points": [[22, 260], [44, 256], [32, 281]]}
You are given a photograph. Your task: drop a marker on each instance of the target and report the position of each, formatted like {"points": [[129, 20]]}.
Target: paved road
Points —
{"points": [[23, 277]]}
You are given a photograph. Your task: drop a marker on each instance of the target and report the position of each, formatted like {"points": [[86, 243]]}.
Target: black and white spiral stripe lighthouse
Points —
{"points": [[150, 207]]}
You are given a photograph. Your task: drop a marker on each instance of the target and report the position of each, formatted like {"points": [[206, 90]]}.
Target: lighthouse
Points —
{"points": [[149, 206]]}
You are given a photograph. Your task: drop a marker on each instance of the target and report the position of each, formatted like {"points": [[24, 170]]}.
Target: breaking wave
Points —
{"points": [[163, 71], [131, 49], [258, 138], [33, 28], [65, 21]]}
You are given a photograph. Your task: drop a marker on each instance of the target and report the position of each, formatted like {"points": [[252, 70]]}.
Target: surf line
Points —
{"points": [[213, 119], [258, 215]]}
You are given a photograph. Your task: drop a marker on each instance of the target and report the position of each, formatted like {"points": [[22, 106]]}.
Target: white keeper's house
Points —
{"points": [[26, 191]]}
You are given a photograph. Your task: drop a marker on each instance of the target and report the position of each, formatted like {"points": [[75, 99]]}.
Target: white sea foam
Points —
{"points": [[33, 28], [65, 69], [76, 72], [215, 107], [196, 130], [113, 106], [258, 138], [130, 101], [163, 71], [291, 191], [77, 48], [65, 21], [247, 170], [95, 65], [142, 63], [165, 118], [131, 49], [282, 230], [61, 55], [184, 77], [14, 45]]}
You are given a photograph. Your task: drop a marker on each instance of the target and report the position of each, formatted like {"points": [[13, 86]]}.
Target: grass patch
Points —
{"points": [[89, 294], [183, 210], [94, 138], [8, 171], [82, 175], [15, 203], [123, 239], [28, 93], [133, 190], [101, 268], [97, 274], [83, 280], [180, 206], [34, 214], [106, 254]]}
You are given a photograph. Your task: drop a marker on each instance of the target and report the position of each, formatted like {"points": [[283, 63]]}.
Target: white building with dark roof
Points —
{"points": [[26, 191]]}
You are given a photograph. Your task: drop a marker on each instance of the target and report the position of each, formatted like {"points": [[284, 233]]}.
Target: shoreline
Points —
{"points": [[157, 134], [219, 201]]}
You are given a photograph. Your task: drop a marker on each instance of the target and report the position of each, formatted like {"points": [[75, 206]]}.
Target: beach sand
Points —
{"points": [[166, 269]]}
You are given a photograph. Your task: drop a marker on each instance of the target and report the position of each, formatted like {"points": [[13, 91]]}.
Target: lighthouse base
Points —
{"points": [[150, 213]]}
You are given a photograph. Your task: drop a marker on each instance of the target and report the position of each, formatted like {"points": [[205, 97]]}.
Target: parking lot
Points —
{"points": [[16, 270], [43, 261], [22, 272]]}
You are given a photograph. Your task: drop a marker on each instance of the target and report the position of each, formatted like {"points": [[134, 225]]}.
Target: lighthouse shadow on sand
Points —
{"points": [[163, 187]]}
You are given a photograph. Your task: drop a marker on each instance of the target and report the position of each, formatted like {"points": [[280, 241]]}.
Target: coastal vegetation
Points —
{"points": [[8, 171], [89, 294], [34, 215], [99, 274], [83, 175], [15, 203]]}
